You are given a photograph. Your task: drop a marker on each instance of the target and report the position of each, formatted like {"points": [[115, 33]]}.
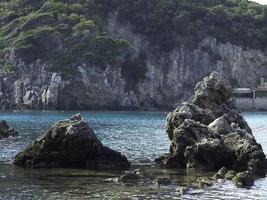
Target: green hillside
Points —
{"points": [[66, 33]]}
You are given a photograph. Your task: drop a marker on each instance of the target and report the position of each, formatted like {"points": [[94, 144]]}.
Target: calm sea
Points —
{"points": [[138, 135]]}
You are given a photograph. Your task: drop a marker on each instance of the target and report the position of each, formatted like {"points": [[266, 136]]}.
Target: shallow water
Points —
{"points": [[138, 135]]}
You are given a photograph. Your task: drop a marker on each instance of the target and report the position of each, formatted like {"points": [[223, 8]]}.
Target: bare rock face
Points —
{"points": [[213, 91], [169, 76], [5, 131], [187, 111], [70, 143], [209, 134]]}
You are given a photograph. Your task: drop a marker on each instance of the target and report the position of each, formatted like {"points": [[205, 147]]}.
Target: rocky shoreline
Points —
{"points": [[207, 134]]}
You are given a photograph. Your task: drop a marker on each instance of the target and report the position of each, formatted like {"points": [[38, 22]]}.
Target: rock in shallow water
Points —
{"points": [[221, 173], [244, 179], [209, 133], [70, 143], [5, 131], [163, 181], [130, 176], [230, 175], [203, 182]]}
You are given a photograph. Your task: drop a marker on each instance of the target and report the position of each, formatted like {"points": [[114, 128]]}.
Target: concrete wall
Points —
{"points": [[261, 103], [244, 103], [248, 104]]}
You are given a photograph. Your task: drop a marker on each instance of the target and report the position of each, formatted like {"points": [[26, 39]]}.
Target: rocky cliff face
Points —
{"points": [[169, 77]]}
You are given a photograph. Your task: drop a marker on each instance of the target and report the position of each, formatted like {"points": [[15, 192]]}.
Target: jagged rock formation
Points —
{"points": [[209, 134], [70, 143], [169, 78], [5, 131]]}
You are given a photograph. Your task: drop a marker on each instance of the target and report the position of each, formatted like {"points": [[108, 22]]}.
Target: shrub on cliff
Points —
{"points": [[77, 29], [61, 33]]}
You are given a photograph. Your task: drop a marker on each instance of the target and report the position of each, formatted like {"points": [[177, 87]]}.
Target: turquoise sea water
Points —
{"points": [[138, 135]]}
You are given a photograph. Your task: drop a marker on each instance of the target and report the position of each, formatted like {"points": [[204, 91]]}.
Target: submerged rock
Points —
{"points": [[129, 177], [183, 189], [163, 181], [209, 133], [70, 143], [135, 175], [5, 131]]}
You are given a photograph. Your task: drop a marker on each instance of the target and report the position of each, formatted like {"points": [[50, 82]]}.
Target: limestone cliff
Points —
{"points": [[168, 76]]}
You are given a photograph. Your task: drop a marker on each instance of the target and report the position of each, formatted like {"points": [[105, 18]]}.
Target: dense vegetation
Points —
{"points": [[68, 33], [169, 22], [58, 31]]}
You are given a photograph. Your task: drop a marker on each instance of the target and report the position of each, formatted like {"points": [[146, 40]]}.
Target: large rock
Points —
{"points": [[5, 131], [187, 111], [209, 133], [212, 91], [70, 143], [207, 154], [247, 153]]}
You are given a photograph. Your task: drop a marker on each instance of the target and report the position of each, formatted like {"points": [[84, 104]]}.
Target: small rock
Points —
{"points": [[115, 180], [230, 175], [140, 172], [134, 176], [183, 189], [163, 181], [77, 117], [221, 173], [244, 179], [203, 182], [128, 177], [5, 131]]}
